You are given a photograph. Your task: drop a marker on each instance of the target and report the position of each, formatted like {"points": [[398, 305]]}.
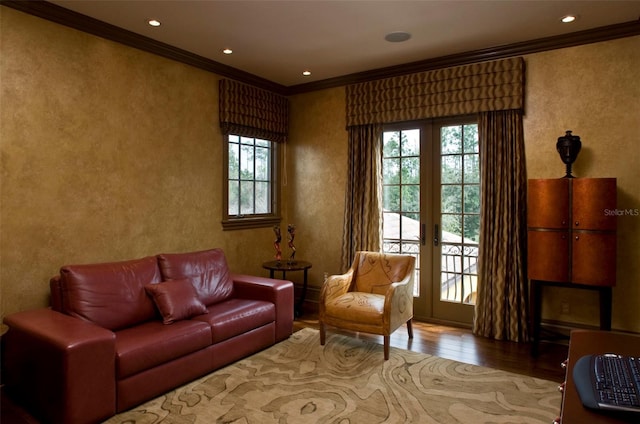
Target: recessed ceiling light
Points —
{"points": [[306, 73], [227, 51], [568, 18], [154, 22], [397, 36]]}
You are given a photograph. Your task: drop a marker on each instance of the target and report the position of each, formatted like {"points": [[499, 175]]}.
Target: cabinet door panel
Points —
{"points": [[547, 255], [592, 199], [594, 258], [548, 203]]}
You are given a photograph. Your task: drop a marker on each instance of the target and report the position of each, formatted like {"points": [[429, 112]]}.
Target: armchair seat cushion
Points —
{"points": [[154, 343], [364, 308]]}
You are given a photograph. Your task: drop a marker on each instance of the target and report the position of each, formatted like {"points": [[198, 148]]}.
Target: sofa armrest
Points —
{"points": [[279, 292], [59, 367]]}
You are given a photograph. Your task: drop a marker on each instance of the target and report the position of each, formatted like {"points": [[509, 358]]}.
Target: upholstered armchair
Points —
{"points": [[374, 296]]}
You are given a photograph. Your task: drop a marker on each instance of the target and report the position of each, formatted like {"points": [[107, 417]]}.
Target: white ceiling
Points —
{"points": [[277, 40]]}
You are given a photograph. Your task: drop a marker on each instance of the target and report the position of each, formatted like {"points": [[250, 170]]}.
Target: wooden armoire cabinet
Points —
{"points": [[572, 230], [571, 225]]}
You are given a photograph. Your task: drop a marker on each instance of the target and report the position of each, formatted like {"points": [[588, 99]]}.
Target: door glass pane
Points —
{"points": [[451, 169], [460, 213], [401, 195]]}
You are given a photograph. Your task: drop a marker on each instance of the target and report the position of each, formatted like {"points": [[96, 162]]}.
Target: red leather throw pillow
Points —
{"points": [[176, 300]]}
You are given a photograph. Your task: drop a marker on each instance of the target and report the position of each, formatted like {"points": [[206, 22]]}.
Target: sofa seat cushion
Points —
{"points": [[153, 343], [237, 316], [365, 308]]}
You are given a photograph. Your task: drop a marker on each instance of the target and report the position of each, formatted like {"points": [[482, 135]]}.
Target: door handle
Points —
{"points": [[436, 235]]}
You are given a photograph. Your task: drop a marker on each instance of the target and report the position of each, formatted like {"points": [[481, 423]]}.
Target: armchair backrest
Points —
{"points": [[374, 272]]}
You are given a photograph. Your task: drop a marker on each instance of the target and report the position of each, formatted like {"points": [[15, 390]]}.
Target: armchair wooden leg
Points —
{"points": [[386, 347], [322, 333], [410, 329]]}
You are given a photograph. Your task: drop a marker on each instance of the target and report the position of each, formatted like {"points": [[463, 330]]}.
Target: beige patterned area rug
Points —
{"points": [[348, 382]]}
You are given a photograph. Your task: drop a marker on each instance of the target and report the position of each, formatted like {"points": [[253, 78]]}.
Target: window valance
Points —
{"points": [[253, 112], [462, 90]]}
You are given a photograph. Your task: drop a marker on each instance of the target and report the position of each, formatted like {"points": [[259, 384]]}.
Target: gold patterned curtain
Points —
{"points": [[363, 203], [253, 112], [502, 307]]}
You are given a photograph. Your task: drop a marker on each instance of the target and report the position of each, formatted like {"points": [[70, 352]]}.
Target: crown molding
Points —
{"points": [[102, 29]]}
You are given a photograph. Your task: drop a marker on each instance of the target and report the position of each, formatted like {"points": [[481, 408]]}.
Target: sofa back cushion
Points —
{"points": [[206, 270], [111, 295]]}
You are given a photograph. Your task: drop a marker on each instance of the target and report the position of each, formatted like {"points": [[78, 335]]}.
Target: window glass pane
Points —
{"points": [[452, 261], [234, 196], [451, 169], [470, 282], [451, 199], [472, 199], [451, 140], [391, 171], [262, 164], [262, 197], [391, 198], [472, 228], [234, 161], [246, 162], [410, 198], [451, 228], [263, 143], [472, 168], [410, 142], [450, 289], [391, 225], [471, 138], [246, 197], [391, 144], [411, 170]]}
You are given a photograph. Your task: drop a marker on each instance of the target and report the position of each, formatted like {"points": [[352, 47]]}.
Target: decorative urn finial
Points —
{"points": [[568, 148]]}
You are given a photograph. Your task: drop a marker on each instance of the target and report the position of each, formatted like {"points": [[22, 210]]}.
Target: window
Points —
{"points": [[250, 178]]}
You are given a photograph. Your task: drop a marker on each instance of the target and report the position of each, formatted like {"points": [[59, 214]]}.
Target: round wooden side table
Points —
{"points": [[285, 266]]}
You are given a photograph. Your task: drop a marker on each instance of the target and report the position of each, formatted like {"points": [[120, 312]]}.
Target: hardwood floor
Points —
{"points": [[454, 343]]}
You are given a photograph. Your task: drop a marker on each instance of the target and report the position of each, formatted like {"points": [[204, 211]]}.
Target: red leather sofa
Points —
{"points": [[118, 334]]}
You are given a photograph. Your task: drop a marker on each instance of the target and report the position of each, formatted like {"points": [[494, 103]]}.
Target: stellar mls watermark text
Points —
{"points": [[622, 212]]}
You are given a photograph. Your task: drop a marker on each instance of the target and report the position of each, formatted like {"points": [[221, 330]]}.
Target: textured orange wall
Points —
{"points": [[108, 153], [593, 90], [317, 169]]}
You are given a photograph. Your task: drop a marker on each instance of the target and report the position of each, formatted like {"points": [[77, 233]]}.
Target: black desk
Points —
{"points": [[284, 267]]}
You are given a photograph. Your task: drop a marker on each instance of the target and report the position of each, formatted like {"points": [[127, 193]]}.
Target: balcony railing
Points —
{"points": [[459, 279]]}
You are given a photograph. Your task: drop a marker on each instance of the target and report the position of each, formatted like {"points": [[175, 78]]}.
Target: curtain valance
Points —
{"points": [[479, 87], [253, 112]]}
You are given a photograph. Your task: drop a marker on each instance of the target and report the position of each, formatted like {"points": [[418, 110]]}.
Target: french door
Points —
{"points": [[431, 202]]}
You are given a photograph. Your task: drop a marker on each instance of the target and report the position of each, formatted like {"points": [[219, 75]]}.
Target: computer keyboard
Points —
{"points": [[609, 382]]}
